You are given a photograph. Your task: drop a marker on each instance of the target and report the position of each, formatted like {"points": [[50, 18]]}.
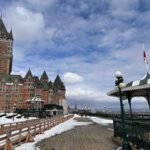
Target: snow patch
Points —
{"points": [[4, 120], [101, 120], [65, 126]]}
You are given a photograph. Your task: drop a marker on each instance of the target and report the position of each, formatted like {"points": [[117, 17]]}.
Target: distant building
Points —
{"points": [[16, 90]]}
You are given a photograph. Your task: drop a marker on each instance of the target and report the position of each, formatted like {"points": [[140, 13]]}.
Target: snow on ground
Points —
{"points": [[4, 120], [101, 120], [67, 125], [119, 148]]}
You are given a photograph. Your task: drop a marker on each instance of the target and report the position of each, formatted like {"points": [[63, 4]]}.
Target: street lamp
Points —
{"points": [[14, 108], [119, 83], [105, 111], [28, 105]]}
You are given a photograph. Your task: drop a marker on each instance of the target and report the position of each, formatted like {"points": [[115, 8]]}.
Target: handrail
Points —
{"points": [[138, 132], [24, 131]]}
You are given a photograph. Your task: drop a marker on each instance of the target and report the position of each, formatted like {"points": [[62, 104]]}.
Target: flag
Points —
{"points": [[145, 57]]}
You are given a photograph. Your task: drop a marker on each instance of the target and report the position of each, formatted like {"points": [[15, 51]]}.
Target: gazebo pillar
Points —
{"points": [[129, 101], [148, 100]]}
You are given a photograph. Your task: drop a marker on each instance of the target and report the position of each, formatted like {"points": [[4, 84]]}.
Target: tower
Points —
{"points": [[59, 94], [44, 77], [29, 90], [6, 44]]}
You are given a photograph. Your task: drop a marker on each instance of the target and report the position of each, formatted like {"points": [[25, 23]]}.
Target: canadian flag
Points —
{"points": [[145, 57]]}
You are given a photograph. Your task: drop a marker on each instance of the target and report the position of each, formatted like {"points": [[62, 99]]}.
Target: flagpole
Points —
{"points": [[145, 58]]}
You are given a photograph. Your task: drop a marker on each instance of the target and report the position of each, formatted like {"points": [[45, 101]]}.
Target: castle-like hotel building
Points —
{"points": [[15, 89]]}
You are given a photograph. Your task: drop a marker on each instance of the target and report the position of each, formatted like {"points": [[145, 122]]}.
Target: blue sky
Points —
{"points": [[84, 41]]}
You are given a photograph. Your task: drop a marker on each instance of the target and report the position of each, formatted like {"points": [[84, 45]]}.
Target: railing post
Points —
{"points": [[44, 125], [20, 137], [29, 137], [8, 145], [53, 122], [2, 128], [40, 129], [17, 125], [114, 125], [34, 130], [48, 124]]}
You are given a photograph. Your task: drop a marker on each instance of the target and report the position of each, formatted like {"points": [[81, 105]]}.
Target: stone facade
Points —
{"points": [[16, 90], [6, 44]]}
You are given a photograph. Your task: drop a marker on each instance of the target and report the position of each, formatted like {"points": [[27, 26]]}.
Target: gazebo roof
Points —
{"points": [[138, 88], [35, 99]]}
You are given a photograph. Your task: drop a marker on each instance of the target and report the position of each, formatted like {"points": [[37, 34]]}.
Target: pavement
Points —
{"points": [[89, 137]]}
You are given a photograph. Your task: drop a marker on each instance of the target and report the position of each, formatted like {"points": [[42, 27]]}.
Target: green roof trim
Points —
{"points": [[11, 78], [45, 86]]}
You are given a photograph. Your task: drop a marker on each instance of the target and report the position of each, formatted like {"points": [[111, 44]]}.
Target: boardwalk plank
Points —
{"points": [[90, 137]]}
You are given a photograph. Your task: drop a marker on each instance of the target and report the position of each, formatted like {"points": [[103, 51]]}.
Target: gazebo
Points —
{"points": [[138, 88], [35, 103], [137, 129]]}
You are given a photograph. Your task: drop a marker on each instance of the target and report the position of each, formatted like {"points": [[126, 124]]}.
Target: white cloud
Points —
{"points": [[87, 94], [71, 78], [27, 25], [95, 53]]}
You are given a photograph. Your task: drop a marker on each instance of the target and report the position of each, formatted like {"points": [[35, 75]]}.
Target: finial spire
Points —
{"points": [[145, 57]]}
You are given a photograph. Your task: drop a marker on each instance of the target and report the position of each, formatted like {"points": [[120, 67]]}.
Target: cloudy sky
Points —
{"points": [[85, 41]]}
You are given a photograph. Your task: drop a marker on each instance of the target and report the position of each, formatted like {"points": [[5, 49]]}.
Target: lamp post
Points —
{"points": [[14, 108], [119, 83], [28, 104], [105, 111]]}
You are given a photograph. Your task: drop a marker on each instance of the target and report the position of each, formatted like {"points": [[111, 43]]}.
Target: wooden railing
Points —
{"points": [[138, 132], [15, 133]]}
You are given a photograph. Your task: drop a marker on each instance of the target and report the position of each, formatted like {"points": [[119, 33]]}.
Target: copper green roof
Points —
{"points": [[11, 78], [45, 86]]}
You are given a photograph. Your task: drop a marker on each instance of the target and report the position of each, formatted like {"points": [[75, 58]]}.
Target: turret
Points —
{"points": [[58, 84], [44, 77], [29, 75]]}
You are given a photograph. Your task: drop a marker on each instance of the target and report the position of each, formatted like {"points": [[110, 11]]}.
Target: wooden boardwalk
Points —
{"points": [[89, 137], [16, 133]]}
